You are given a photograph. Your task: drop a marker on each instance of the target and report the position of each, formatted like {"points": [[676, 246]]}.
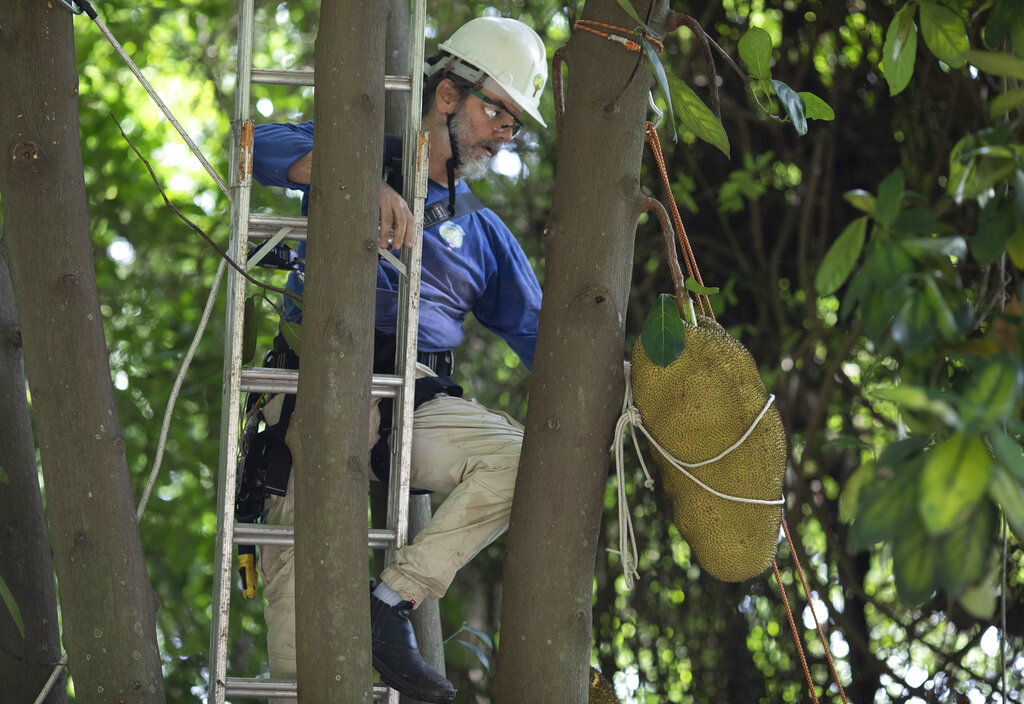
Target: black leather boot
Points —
{"points": [[396, 656]]}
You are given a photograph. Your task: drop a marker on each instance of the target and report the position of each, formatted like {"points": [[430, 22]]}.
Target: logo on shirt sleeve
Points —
{"points": [[453, 234]]}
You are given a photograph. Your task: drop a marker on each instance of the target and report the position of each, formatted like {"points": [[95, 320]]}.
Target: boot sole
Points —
{"points": [[394, 683]]}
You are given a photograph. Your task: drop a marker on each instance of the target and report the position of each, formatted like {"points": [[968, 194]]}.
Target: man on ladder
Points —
{"points": [[486, 75]]}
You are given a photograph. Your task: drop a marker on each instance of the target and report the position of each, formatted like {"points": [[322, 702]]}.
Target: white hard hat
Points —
{"points": [[507, 51]]}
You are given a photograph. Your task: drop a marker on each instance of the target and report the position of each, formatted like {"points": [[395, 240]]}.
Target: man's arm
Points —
{"points": [[396, 221]]}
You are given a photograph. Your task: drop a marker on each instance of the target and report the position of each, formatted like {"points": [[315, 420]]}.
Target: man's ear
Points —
{"points": [[447, 97]]}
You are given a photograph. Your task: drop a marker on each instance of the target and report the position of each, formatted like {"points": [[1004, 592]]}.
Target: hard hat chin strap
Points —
{"points": [[454, 162]]}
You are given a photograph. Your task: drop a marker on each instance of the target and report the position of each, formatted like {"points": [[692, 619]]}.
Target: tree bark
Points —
{"points": [[333, 644], [577, 384], [108, 606], [26, 567]]}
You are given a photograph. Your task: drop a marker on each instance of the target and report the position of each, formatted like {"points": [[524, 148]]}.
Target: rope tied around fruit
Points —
{"points": [[631, 418]]}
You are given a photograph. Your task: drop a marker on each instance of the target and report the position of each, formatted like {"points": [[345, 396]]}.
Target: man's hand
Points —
{"points": [[397, 228]]}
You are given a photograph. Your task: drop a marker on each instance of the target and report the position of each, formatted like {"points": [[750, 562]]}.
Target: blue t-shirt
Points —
{"points": [[471, 264]]}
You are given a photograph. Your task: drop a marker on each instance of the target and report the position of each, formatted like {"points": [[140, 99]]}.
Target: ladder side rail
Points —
{"points": [[240, 174], [415, 165]]}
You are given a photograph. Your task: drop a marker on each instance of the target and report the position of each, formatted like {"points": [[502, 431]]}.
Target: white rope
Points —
{"points": [[177, 387], [631, 418]]}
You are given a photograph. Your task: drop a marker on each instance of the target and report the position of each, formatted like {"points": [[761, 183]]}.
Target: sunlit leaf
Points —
{"points": [[697, 117], [793, 105], [12, 607], [694, 287], [919, 400], [664, 334], [900, 49], [841, 257], [996, 62], [755, 48], [849, 499], [861, 200], [980, 601], [815, 108], [1015, 246], [944, 33], [955, 476]]}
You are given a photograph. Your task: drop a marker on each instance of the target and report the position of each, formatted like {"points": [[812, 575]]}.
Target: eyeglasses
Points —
{"points": [[493, 108]]}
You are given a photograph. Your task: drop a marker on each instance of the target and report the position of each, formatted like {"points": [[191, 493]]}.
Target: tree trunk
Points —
{"points": [[108, 605], [332, 635], [577, 384], [26, 567]]}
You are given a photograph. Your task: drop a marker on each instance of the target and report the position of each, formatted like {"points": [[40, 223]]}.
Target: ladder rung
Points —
{"points": [[266, 226], [304, 77], [284, 536], [286, 381], [275, 689]]}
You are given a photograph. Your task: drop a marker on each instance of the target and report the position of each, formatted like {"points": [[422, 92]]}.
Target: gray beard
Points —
{"points": [[474, 167]]}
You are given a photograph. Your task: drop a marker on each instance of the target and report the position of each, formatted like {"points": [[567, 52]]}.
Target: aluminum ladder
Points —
{"points": [[245, 226]]}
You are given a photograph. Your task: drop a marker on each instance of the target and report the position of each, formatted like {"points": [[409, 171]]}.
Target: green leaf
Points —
{"points": [[12, 607], [1010, 496], [659, 72], [967, 549], [1005, 102], [980, 600], [913, 327], [936, 246], [249, 330], [887, 503], [861, 200], [918, 400], [793, 104], [890, 196], [697, 117], [996, 62], [914, 564], [1019, 198], [955, 476], [664, 334], [841, 257], [945, 321], [815, 108], [944, 33], [4, 479], [486, 639], [292, 335], [900, 49], [479, 654], [756, 52], [996, 224], [849, 499], [1008, 452], [992, 395], [628, 8], [693, 286]]}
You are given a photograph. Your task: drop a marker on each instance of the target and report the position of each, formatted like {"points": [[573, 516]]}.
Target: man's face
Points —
{"points": [[482, 125]]}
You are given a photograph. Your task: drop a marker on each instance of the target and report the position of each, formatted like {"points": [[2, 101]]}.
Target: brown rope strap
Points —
{"points": [[598, 28]]}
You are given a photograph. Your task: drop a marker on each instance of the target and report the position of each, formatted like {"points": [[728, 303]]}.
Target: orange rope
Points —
{"points": [[651, 137], [595, 27], [792, 627], [817, 626]]}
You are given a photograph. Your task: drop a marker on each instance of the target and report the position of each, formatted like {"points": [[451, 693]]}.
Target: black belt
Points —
{"points": [[440, 362]]}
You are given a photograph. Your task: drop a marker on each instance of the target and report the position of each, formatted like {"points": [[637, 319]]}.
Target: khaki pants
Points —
{"points": [[459, 448]]}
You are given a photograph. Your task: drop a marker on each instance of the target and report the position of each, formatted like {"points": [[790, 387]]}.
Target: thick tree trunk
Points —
{"points": [[107, 603], [26, 565], [332, 575], [577, 384]]}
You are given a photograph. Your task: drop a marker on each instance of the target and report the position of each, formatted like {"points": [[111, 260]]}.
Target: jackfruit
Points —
{"points": [[697, 407]]}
